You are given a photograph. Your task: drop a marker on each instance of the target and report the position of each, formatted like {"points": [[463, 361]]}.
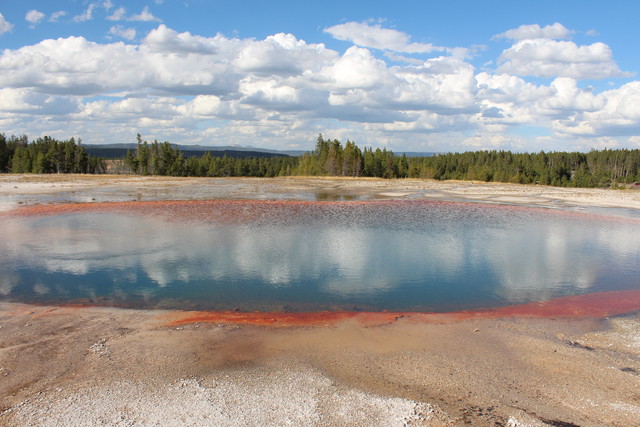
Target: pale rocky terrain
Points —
{"points": [[107, 366]]}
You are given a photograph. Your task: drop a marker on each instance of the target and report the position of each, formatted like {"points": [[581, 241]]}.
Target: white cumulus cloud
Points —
{"points": [[566, 96], [5, 26], [553, 58], [618, 114], [125, 33], [357, 68], [278, 90], [535, 31], [55, 16], [87, 15], [28, 101], [164, 39], [282, 54], [145, 16], [118, 15], [377, 37], [77, 66], [34, 17], [444, 85]]}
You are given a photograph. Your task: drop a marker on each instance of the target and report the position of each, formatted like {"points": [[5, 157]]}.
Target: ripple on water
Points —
{"points": [[400, 256]]}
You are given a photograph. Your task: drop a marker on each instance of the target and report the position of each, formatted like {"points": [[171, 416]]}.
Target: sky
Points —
{"points": [[410, 76]]}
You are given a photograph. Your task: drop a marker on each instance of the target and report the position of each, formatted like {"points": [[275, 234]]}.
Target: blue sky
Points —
{"points": [[406, 75]]}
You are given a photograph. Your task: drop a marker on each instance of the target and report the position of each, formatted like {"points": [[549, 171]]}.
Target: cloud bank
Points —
{"points": [[280, 91]]}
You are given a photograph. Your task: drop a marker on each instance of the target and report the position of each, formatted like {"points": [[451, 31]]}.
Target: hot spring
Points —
{"points": [[404, 256]]}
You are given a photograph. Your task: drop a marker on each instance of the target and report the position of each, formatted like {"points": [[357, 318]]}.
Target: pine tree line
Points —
{"points": [[332, 158], [46, 155], [593, 169], [164, 159]]}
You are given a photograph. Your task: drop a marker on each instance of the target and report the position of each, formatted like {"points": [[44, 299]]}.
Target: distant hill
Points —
{"points": [[118, 151], [415, 154]]}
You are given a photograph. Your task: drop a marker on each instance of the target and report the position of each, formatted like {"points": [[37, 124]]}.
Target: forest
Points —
{"points": [[604, 168], [46, 155], [165, 159]]}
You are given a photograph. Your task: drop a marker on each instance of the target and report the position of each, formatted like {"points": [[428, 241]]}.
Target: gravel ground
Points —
{"points": [[97, 366]]}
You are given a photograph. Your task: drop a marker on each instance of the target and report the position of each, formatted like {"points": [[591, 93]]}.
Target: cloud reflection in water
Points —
{"points": [[374, 256]]}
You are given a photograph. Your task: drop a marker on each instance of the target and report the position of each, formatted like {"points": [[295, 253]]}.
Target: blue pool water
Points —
{"points": [[398, 256]]}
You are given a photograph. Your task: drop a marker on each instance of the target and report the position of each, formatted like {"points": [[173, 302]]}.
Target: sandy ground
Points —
{"points": [[30, 189], [97, 366]]}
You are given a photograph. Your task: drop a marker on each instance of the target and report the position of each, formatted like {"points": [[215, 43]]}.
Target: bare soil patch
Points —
{"points": [[95, 366]]}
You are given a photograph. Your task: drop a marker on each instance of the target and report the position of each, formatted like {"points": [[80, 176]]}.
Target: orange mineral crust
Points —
{"points": [[239, 211], [259, 213], [597, 305]]}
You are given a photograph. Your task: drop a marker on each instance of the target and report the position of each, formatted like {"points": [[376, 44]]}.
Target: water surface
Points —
{"points": [[310, 256]]}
